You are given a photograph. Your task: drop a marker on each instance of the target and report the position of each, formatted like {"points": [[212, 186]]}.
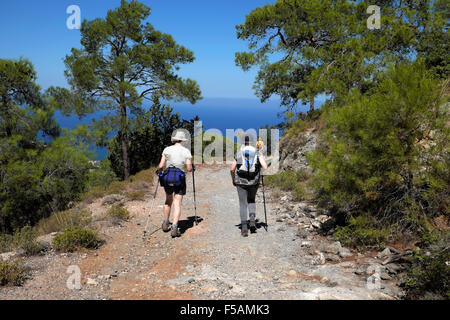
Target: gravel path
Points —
{"points": [[209, 261]]}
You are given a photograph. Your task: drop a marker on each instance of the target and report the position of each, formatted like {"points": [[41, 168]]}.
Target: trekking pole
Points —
{"points": [[264, 200], [151, 209], [195, 201]]}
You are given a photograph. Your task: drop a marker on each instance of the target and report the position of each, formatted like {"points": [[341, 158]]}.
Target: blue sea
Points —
{"points": [[217, 113]]}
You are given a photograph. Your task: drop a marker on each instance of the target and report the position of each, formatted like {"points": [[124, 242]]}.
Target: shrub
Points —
{"points": [[429, 276], [13, 273], [286, 180], [75, 237], [384, 150], [116, 187], [25, 239], [94, 193], [299, 193], [5, 242], [362, 232], [118, 212], [61, 220], [136, 195]]}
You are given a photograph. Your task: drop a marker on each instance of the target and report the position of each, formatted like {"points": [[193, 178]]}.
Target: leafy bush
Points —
{"points": [[61, 220], [102, 176], [362, 232], [6, 243], [75, 237], [136, 195], [118, 212], [286, 180], [26, 240], [13, 273], [299, 193], [385, 152], [429, 276]]}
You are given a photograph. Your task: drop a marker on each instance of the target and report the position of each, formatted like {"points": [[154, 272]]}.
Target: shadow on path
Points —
{"points": [[184, 225]]}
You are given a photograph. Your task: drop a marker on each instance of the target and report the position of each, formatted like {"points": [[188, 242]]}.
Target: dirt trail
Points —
{"points": [[209, 261]]}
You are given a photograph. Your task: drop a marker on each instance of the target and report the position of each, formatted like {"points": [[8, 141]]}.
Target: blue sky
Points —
{"points": [[37, 30]]}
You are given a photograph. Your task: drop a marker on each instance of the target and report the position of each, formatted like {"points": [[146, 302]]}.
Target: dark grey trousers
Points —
{"points": [[247, 197]]}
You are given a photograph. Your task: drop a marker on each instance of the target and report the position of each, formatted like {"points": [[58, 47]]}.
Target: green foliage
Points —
{"points": [[59, 221], [148, 135], [429, 276], [25, 239], [118, 212], [287, 180], [75, 237], [362, 232], [299, 193], [384, 152], [102, 176], [41, 172], [308, 47], [136, 195], [14, 273], [122, 61]]}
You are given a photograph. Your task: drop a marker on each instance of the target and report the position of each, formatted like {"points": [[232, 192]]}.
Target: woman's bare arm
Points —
{"points": [[162, 163], [232, 170], [188, 165]]}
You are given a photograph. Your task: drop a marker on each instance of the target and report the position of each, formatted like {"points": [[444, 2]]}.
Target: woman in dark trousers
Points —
{"points": [[245, 174], [179, 157]]}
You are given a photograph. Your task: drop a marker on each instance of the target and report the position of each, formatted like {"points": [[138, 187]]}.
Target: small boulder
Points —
{"points": [[344, 252], [333, 248], [112, 199], [383, 254], [318, 259]]}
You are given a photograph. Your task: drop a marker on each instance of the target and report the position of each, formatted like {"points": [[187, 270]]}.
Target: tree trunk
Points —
{"points": [[124, 140], [311, 105]]}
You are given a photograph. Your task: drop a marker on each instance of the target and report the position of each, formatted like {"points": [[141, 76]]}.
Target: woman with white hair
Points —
{"points": [[176, 159], [245, 174]]}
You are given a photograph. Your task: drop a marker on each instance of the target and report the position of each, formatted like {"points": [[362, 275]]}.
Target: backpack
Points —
{"points": [[172, 177], [247, 172]]}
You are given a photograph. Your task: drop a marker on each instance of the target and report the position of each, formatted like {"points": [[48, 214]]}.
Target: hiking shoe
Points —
{"points": [[175, 232], [166, 226], [244, 232], [252, 226]]}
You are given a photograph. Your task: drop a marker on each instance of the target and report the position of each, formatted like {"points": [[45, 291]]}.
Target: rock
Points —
{"points": [[306, 244], [344, 252], [316, 224], [9, 255], [385, 276], [91, 282], [293, 151], [383, 254], [332, 257], [276, 278], [112, 199], [292, 272], [302, 233], [360, 271], [284, 198], [394, 268], [318, 259], [322, 218], [333, 248], [191, 280]]}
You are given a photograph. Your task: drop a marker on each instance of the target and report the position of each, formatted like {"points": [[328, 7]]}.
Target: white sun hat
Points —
{"points": [[179, 136]]}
